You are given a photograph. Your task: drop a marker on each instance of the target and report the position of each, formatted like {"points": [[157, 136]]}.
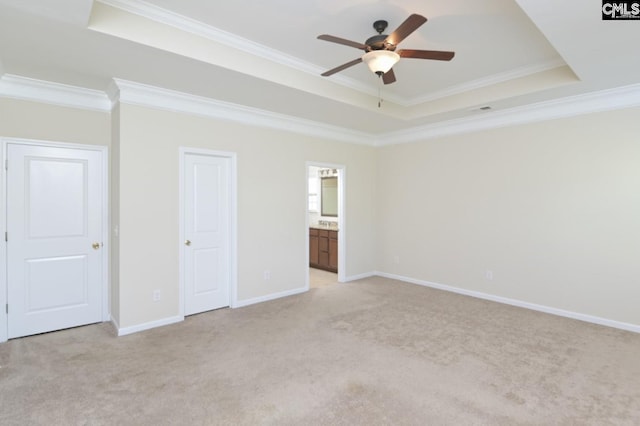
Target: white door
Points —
{"points": [[207, 233], [54, 216]]}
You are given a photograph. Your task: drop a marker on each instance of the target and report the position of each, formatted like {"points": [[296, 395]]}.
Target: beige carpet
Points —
{"points": [[372, 352]]}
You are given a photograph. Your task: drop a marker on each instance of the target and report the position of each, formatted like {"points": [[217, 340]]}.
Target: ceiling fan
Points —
{"points": [[380, 50]]}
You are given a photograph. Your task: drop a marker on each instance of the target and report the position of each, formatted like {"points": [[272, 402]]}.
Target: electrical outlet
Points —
{"points": [[267, 275], [488, 274], [157, 294]]}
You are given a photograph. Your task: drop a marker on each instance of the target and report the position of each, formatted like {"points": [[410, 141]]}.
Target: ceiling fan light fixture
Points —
{"points": [[380, 61]]}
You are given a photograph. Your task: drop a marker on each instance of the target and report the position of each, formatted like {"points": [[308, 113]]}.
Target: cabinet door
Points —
{"points": [[333, 254], [313, 250], [323, 261], [323, 244]]}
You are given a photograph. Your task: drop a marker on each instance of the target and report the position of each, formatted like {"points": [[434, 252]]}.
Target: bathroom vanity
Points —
{"points": [[323, 249]]}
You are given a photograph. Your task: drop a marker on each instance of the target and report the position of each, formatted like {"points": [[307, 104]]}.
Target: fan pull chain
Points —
{"points": [[380, 93]]}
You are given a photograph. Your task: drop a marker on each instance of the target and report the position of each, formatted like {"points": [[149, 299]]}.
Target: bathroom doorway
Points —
{"points": [[325, 230]]}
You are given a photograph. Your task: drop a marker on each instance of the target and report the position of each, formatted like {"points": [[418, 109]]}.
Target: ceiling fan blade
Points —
{"points": [[438, 55], [389, 77], [411, 24], [341, 67], [333, 39]]}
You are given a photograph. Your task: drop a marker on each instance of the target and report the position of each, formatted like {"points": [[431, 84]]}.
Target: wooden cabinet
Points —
{"points": [[333, 250], [313, 247], [323, 249]]}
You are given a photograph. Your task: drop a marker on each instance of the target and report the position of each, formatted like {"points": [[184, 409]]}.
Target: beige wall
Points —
{"points": [[271, 205], [552, 209], [32, 120]]}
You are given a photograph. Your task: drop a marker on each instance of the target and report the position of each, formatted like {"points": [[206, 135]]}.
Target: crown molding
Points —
{"points": [[24, 88], [29, 89], [133, 93], [485, 82], [604, 100]]}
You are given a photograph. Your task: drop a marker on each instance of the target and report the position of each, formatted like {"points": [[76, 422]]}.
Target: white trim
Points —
{"points": [[154, 97], [4, 317], [4, 142], [147, 325], [485, 82], [519, 303], [268, 297], [233, 218], [170, 100], [359, 277], [30, 89], [106, 237], [342, 223], [604, 100]]}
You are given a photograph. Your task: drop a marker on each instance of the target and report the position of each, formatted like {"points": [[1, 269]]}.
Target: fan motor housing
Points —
{"points": [[377, 42]]}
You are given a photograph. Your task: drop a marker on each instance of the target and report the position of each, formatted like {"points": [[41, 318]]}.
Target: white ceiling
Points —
{"points": [[265, 54]]}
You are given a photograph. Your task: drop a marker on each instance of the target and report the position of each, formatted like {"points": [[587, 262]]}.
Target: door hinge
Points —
{"points": [[6, 164], [6, 236], [7, 307]]}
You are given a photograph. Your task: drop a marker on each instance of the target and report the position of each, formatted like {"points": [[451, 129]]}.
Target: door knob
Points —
{"points": [[96, 246], [187, 243]]}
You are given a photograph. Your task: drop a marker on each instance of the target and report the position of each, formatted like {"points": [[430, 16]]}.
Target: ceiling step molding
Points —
{"points": [[133, 93], [485, 82], [29, 89], [604, 100], [184, 23], [181, 22]]}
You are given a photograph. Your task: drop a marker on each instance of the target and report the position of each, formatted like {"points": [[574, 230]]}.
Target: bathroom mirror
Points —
{"points": [[329, 197]]}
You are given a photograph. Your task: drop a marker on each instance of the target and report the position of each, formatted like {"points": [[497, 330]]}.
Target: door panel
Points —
{"points": [[55, 283], [51, 212], [54, 215], [206, 180], [206, 265], [207, 221]]}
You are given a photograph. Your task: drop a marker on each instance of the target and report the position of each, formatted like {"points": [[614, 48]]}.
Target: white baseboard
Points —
{"points": [[360, 276], [146, 326], [114, 324], [273, 296], [519, 303], [172, 320]]}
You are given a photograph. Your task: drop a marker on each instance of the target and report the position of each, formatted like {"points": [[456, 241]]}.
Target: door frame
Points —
{"points": [[233, 219], [5, 142], [342, 210]]}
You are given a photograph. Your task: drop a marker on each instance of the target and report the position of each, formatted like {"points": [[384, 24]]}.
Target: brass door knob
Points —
{"points": [[96, 246], [187, 243]]}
